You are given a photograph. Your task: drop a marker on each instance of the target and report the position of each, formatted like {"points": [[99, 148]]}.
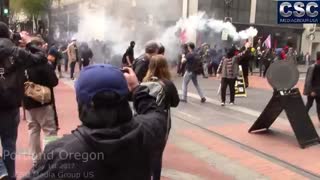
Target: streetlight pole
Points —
{"points": [[228, 5]]}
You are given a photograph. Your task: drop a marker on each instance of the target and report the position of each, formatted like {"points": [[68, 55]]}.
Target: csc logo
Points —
{"points": [[298, 11]]}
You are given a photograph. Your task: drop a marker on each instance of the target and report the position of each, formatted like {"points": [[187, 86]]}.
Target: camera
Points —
{"points": [[15, 37]]}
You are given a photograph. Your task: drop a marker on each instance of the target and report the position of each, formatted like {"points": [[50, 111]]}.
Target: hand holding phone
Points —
{"points": [[131, 78]]}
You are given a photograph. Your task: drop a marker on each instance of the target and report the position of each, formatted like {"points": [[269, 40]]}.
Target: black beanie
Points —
{"points": [[4, 30]]}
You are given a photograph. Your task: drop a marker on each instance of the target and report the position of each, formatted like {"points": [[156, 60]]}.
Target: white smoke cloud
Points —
{"points": [[98, 24]]}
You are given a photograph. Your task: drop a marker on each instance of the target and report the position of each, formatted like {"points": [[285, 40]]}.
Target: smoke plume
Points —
{"points": [[110, 31]]}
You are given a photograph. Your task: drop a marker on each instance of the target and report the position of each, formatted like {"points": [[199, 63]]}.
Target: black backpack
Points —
{"points": [[11, 84]]}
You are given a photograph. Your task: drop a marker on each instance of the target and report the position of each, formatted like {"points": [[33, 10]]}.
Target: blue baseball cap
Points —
{"points": [[99, 78]]}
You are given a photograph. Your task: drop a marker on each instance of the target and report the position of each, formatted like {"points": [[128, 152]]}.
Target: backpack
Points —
{"points": [[156, 89], [11, 84], [197, 64]]}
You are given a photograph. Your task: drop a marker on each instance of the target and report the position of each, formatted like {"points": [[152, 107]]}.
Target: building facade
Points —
{"points": [[261, 14]]}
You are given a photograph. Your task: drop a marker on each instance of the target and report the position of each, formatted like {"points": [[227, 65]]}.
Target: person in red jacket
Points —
{"points": [[284, 52]]}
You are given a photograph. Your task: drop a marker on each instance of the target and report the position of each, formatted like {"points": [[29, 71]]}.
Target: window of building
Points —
{"points": [[239, 11]]}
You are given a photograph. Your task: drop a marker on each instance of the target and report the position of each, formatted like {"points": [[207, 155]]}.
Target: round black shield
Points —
{"points": [[282, 75]]}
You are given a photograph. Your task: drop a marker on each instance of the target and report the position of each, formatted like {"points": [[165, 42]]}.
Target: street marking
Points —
{"points": [[216, 160], [251, 149], [240, 109], [178, 175]]}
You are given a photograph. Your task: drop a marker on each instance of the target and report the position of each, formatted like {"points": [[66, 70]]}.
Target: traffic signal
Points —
{"points": [[5, 11]]}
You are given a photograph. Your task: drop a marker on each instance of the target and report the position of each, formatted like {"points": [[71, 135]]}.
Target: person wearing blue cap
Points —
{"points": [[111, 143]]}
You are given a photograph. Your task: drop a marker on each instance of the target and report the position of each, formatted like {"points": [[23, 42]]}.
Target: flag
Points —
{"points": [[267, 42]]}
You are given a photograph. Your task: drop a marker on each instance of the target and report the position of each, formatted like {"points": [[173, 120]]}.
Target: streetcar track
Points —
{"points": [[282, 163]]}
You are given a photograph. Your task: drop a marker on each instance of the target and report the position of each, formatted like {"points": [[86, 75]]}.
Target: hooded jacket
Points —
{"points": [[120, 153], [21, 59], [309, 85], [42, 74]]}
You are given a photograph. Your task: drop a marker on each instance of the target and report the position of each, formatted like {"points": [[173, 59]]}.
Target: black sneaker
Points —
{"points": [[203, 100], [183, 100]]}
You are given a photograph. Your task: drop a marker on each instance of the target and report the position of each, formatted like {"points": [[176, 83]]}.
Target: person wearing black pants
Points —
{"points": [[72, 67], [229, 70], [225, 82], [310, 103], [312, 85]]}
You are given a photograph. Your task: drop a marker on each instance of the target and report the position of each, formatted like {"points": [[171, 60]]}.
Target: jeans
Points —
{"points": [[72, 67], [310, 103], [186, 79], [9, 122], [205, 69], [224, 83]]}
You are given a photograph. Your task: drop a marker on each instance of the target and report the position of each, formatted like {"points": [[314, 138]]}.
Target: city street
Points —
{"points": [[121, 43], [208, 141]]}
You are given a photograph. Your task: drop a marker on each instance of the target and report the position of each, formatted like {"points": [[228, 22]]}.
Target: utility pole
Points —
{"points": [[228, 6]]}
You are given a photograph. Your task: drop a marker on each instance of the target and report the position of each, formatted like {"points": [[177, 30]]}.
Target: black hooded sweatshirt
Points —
{"points": [[120, 153]]}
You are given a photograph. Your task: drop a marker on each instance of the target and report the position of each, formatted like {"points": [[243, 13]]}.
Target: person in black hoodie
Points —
{"points": [[158, 68], [86, 54], [111, 143], [13, 61], [40, 116]]}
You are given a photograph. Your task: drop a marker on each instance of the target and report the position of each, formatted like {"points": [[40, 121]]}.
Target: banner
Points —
{"points": [[240, 86], [267, 42]]}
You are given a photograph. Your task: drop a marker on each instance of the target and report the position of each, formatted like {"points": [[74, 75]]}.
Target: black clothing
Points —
{"points": [[141, 67], [14, 60], [130, 54], [310, 104], [190, 62], [121, 153], [231, 83], [172, 97], [4, 30], [171, 100], [86, 55], [316, 79], [42, 74], [72, 68], [245, 61], [312, 82]]}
